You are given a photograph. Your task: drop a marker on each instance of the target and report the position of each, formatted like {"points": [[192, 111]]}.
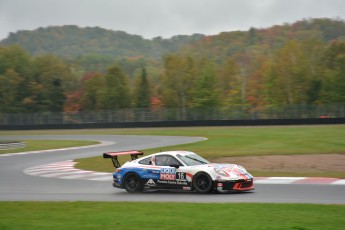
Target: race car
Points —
{"points": [[181, 170]]}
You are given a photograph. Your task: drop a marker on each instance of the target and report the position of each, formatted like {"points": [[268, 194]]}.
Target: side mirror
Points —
{"points": [[174, 165]]}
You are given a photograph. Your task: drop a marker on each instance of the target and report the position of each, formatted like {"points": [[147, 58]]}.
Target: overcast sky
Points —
{"points": [[165, 18]]}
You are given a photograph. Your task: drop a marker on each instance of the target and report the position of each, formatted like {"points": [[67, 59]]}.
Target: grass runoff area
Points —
{"points": [[222, 142], [127, 215], [243, 141]]}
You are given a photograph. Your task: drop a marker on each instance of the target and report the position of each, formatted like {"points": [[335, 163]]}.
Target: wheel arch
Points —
{"points": [[199, 173], [140, 187]]}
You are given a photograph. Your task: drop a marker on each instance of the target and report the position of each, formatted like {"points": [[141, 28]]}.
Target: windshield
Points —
{"points": [[192, 159]]}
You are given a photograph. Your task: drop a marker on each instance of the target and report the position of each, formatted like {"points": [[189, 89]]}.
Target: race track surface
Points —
{"points": [[21, 180]]}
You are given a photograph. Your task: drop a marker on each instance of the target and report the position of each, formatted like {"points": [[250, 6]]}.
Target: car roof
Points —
{"points": [[173, 153]]}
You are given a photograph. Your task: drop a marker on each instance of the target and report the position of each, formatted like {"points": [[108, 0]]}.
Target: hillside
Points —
{"points": [[71, 41], [266, 40]]}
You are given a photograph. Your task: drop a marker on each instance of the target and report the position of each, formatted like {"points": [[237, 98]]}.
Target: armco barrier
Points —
{"points": [[307, 121]]}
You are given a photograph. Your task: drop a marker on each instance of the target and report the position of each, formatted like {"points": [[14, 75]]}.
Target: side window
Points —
{"points": [[166, 160], [161, 160], [145, 161], [172, 161]]}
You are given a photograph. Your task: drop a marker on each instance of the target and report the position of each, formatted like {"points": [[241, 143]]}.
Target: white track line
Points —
{"points": [[102, 143]]}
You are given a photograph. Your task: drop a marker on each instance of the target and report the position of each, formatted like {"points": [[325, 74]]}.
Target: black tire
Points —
{"points": [[202, 183], [132, 183]]}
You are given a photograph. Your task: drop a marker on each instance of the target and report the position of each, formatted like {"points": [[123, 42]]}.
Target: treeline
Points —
{"points": [[302, 63]]}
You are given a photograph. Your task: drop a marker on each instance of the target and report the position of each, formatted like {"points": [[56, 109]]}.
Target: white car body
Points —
{"points": [[180, 170]]}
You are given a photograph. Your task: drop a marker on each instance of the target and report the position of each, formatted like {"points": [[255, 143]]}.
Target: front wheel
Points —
{"points": [[132, 183], [202, 183]]}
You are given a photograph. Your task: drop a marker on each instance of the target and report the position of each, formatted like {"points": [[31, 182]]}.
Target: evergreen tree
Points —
{"points": [[142, 92]]}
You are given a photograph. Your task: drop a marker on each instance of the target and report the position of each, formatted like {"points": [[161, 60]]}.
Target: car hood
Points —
{"points": [[227, 171]]}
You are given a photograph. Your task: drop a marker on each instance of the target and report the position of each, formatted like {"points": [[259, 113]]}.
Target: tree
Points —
{"points": [[10, 100], [142, 91], [49, 85], [288, 79], [334, 74], [117, 94], [231, 83], [205, 92], [92, 92], [16, 68], [177, 82]]}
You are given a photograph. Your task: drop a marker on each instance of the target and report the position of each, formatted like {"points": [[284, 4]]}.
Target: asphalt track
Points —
{"points": [[15, 185]]}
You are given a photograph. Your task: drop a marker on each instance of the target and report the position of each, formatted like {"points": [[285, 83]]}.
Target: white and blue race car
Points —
{"points": [[182, 170]]}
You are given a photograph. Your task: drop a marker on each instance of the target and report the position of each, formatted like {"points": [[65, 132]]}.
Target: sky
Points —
{"points": [[165, 18]]}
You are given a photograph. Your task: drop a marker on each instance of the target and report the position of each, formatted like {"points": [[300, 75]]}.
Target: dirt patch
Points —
{"points": [[316, 163]]}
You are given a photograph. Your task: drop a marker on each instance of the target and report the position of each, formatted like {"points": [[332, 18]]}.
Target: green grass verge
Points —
{"points": [[122, 215], [236, 141], [244, 141], [229, 141], [34, 145]]}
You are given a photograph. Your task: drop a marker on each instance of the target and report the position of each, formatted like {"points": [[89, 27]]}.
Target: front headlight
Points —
{"points": [[220, 172]]}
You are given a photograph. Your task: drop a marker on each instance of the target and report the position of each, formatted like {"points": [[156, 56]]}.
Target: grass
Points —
{"points": [[122, 215], [228, 141], [244, 141], [34, 145]]}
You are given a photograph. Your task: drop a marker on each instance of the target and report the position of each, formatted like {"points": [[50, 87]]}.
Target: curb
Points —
{"points": [[12, 145], [299, 180]]}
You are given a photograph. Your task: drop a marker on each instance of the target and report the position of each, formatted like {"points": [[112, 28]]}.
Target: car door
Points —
{"points": [[172, 174]]}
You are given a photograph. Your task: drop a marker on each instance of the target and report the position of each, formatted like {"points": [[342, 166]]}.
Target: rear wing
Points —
{"points": [[113, 155]]}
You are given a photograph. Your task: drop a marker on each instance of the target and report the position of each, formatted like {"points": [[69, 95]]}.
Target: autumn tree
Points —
{"points": [[93, 92], [287, 80], [231, 83]]}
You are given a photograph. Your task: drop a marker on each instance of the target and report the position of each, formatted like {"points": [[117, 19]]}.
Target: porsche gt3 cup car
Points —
{"points": [[181, 170]]}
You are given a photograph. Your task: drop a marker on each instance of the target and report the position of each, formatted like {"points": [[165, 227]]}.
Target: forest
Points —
{"points": [[72, 69]]}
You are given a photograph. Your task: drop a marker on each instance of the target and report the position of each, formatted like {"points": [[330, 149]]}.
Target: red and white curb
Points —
{"points": [[66, 170], [298, 180]]}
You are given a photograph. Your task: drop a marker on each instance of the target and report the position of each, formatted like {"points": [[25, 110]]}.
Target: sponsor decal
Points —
{"points": [[168, 174], [172, 182], [150, 183]]}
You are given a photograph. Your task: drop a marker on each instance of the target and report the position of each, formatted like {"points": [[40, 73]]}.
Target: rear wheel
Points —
{"points": [[132, 183], [202, 183]]}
